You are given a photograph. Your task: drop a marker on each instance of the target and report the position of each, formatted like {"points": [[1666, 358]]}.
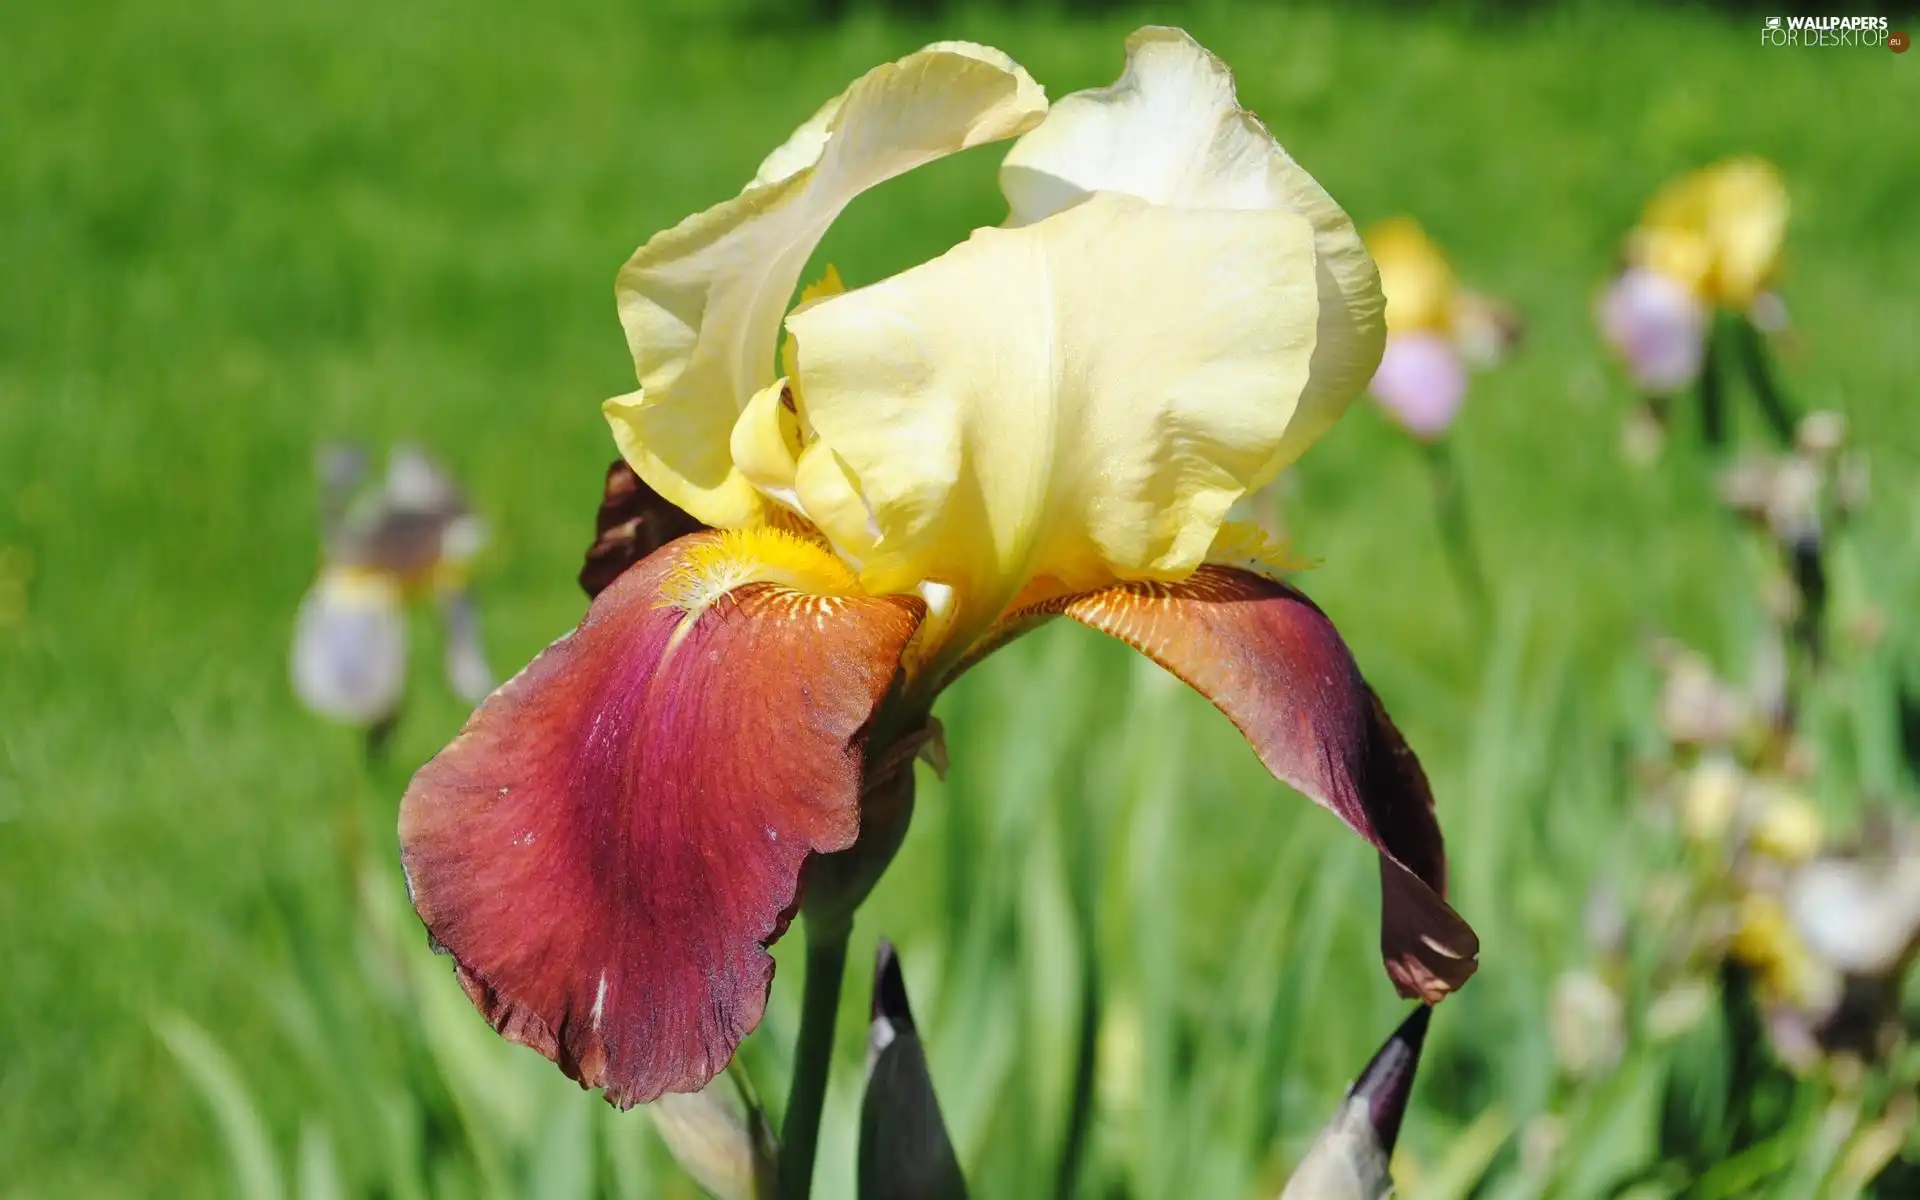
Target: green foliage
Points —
{"points": [[232, 230]]}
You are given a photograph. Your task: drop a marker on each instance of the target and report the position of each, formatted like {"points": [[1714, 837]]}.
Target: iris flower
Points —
{"points": [[1435, 329], [1708, 241], [406, 537], [1050, 419]]}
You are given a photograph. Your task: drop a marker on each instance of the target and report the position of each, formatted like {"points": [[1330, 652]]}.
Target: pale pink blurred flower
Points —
{"points": [[1421, 381], [1658, 328]]}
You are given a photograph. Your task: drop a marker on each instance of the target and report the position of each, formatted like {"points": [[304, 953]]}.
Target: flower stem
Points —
{"points": [[1713, 398], [1456, 535], [813, 1056], [1774, 406]]}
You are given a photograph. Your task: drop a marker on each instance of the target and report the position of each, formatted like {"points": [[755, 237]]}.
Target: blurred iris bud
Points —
{"points": [[408, 534], [1787, 828], [1787, 494], [1821, 434], [720, 1139], [905, 1153], [1678, 1009], [1587, 1021], [1696, 707], [1541, 1143], [1781, 493], [1770, 681], [1710, 799], [1604, 919], [1349, 1160]]}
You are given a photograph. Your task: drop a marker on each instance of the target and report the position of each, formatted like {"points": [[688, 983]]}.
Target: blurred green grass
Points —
{"points": [[231, 230]]}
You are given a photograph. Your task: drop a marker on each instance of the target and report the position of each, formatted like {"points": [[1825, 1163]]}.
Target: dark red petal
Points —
{"points": [[610, 844], [633, 522], [1270, 660]]}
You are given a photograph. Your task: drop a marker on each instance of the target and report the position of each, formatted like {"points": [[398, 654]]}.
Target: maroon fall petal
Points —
{"points": [[609, 846], [633, 522], [1273, 662]]}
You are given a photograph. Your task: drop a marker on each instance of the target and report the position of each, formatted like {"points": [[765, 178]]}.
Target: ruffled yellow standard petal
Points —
{"points": [[1422, 294], [1718, 230], [1172, 132], [1079, 400], [702, 302]]}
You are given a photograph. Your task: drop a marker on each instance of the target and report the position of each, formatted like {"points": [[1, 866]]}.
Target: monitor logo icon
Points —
{"points": [[1773, 22]]}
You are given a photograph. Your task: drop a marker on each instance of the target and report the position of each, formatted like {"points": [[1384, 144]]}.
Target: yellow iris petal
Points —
{"points": [[702, 302], [829, 284], [1717, 230], [1422, 294], [1172, 132], [766, 442], [1081, 398]]}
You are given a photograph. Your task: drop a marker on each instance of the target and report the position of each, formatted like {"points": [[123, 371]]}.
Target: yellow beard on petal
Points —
{"points": [[733, 558]]}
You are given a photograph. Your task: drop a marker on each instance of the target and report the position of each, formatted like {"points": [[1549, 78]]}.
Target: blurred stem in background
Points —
{"points": [[1750, 344], [1084, 855], [1713, 396], [813, 1055], [1734, 342], [379, 739], [1456, 531]]}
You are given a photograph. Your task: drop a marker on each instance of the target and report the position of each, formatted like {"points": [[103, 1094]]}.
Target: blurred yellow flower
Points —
{"points": [[1716, 231], [1788, 829], [1767, 942], [1422, 293], [1710, 799], [1435, 328]]}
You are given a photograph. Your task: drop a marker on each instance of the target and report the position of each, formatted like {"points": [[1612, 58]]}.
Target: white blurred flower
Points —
{"points": [[724, 1148], [350, 647], [408, 535], [1587, 1021]]}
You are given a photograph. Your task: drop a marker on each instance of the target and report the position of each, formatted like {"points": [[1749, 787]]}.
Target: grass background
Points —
{"points": [[232, 229]]}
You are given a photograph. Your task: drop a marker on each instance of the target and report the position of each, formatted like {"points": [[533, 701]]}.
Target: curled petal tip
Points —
{"points": [[1274, 664]]}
